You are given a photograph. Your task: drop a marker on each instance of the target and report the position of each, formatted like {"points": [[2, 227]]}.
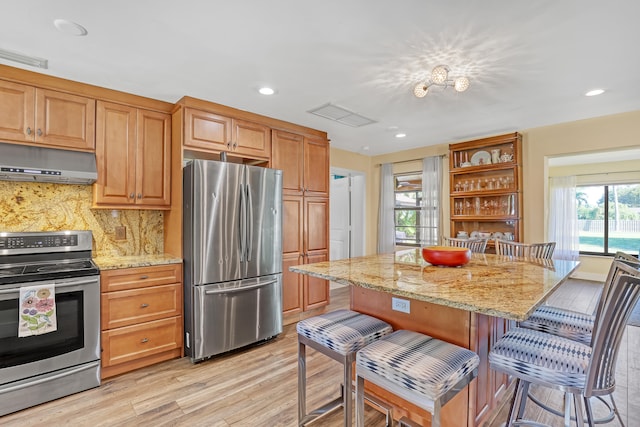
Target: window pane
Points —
{"points": [[590, 202], [624, 218]]}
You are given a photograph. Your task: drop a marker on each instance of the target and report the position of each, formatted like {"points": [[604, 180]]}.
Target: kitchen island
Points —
{"points": [[471, 306]]}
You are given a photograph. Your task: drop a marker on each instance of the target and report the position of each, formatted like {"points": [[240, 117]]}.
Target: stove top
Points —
{"points": [[36, 256]]}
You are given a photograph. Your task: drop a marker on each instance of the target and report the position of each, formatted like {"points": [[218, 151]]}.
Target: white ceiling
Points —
{"points": [[529, 62]]}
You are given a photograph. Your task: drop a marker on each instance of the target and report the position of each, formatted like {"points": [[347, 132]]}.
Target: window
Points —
{"points": [[409, 221], [609, 218]]}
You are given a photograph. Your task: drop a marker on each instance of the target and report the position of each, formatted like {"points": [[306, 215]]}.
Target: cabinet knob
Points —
{"points": [[144, 305], [144, 340], [144, 276], [229, 144], [139, 195], [235, 144], [131, 196], [39, 132], [28, 131]]}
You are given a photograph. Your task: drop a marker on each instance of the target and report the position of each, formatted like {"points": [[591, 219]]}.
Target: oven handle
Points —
{"points": [[245, 288], [51, 378], [60, 285]]}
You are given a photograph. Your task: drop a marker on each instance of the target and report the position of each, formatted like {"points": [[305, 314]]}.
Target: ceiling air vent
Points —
{"points": [[341, 115]]}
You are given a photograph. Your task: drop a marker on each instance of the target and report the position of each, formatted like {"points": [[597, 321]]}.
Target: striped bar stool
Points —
{"points": [[339, 335], [418, 368]]}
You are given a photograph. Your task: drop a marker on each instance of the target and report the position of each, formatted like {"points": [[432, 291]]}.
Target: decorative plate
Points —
{"points": [[498, 235], [481, 158], [474, 234]]}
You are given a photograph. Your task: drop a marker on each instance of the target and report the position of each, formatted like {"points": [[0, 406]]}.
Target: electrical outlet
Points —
{"points": [[403, 305], [121, 232]]}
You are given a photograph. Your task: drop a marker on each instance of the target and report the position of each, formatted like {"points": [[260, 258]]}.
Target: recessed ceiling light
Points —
{"points": [[71, 28], [266, 91], [594, 92], [400, 135]]}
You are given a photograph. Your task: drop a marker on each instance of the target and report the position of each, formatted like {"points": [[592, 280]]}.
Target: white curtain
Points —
{"points": [[386, 220], [563, 217], [431, 200]]}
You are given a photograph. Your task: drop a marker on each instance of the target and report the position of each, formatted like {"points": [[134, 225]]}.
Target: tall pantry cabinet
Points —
{"points": [[304, 161]]}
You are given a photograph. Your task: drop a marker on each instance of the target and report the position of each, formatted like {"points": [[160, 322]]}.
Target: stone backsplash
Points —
{"points": [[26, 206]]}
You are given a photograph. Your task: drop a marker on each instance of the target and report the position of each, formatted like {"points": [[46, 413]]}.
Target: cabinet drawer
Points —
{"points": [[140, 277], [134, 342], [124, 308]]}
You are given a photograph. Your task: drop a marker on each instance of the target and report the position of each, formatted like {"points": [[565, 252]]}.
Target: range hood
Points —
{"points": [[40, 164]]}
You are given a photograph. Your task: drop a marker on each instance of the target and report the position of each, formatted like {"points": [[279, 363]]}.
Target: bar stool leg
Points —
{"points": [[346, 393], [360, 401], [302, 382]]}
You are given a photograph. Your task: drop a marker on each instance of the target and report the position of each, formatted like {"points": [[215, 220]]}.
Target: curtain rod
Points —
{"points": [[412, 160], [595, 173]]}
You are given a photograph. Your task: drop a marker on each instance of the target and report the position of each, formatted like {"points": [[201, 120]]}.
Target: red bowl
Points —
{"points": [[449, 256]]}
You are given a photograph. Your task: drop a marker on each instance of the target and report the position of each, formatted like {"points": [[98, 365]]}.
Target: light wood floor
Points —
{"points": [[257, 387]]}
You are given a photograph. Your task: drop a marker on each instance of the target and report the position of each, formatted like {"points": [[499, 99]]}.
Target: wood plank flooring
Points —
{"points": [[258, 386]]}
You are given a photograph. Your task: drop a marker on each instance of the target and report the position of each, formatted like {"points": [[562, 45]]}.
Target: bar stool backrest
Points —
{"points": [[528, 250], [626, 264], [476, 245], [609, 327]]}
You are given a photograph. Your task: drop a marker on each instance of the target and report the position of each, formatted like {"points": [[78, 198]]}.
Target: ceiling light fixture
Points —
{"points": [[24, 59], [69, 27], [594, 92], [266, 91], [440, 77]]}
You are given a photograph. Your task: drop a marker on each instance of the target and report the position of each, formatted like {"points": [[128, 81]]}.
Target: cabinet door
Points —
{"points": [[292, 284], [293, 253], [287, 154], [115, 154], [206, 131], [251, 139], [64, 120], [316, 167], [316, 291], [153, 159], [17, 112], [316, 224]]}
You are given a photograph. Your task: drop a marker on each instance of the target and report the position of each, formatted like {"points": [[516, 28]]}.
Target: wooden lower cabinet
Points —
{"points": [[141, 317], [478, 402]]}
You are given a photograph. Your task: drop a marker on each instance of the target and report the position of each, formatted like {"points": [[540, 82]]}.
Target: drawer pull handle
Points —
{"points": [[144, 340], [144, 276], [144, 305]]}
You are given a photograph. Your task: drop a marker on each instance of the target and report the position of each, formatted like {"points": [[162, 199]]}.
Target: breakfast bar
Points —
{"points": [[471, 306]]}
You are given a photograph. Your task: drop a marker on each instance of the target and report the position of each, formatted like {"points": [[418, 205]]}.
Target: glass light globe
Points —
{"points": [[461, 84], [440, 74], [421, 89]]}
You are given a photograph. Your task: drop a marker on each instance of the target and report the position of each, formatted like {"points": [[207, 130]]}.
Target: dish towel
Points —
{"points": [[37, 310]]}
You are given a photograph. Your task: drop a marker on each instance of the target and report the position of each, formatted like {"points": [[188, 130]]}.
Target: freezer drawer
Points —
{"points": [[234, 314]]}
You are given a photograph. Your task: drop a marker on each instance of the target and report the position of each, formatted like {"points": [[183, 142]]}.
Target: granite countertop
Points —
{"points": [[114, 261], [507, 287]]}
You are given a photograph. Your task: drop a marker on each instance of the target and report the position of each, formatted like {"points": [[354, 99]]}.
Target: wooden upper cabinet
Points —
{"points": [[65, 120], [287, 154], [17, 111], [133, 149], [213, 132], [304, 162], [48, 117], [316, 167], [206, 130], [153, 159]]}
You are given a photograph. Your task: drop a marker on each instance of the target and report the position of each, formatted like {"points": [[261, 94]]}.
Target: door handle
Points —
{"points": [[244, 288], [250, 223]]}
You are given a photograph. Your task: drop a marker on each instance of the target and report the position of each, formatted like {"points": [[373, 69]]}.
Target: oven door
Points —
{"points": [[76, 340]]}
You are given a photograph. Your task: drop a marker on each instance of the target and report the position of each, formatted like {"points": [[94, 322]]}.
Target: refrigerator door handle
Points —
{"points": [[243, 224], [243, 288], [250, 224]]}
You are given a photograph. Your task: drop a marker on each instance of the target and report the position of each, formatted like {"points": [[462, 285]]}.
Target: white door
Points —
{"points": [[339, 218]]}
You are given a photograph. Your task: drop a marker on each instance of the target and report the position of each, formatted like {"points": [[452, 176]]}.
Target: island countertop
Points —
{"points": [[500, 286]]}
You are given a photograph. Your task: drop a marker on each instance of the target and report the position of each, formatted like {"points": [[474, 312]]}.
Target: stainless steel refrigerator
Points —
{"points": [[232, 256]]}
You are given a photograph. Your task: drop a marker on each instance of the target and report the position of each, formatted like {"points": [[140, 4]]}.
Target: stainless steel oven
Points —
{"points": [[39, 368]]}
